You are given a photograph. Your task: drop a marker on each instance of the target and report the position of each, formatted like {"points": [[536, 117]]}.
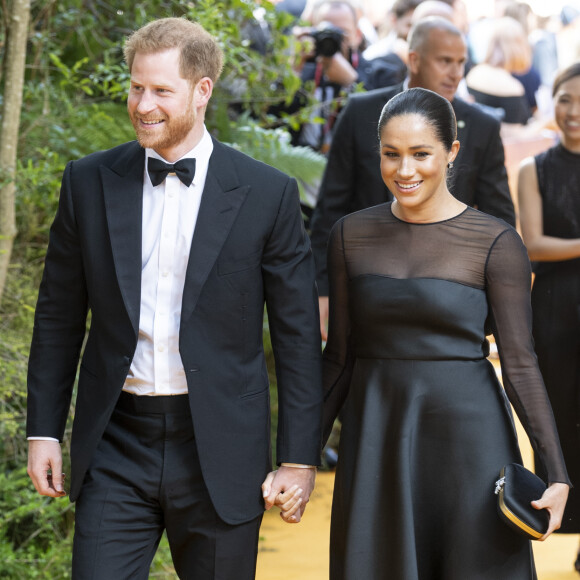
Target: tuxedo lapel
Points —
{"points": [[220, 203], [123, 193]]}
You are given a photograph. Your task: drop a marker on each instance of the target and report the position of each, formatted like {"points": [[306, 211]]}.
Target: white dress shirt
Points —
{"points": [[169, 217]]}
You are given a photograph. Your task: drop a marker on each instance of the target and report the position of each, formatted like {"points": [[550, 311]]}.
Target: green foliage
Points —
{"points": [[37, 187], [76, 46], [110, 76], [71, 76], [251, 80], [70, 125], [162, 566], [13, 357], [35, 539], [272, 146]]}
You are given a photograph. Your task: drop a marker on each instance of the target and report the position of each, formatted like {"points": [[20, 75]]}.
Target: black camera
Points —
{"points": [[327, 39]]}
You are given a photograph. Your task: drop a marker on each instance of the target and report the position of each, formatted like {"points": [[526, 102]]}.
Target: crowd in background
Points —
{"points": [[341, 47], [514, 54]]}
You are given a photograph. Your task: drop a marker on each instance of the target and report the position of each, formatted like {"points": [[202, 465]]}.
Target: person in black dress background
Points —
{"points": [[549, 196], [494, 82], [426, 427]]}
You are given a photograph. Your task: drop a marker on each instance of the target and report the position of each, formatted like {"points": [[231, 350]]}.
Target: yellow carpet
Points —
{"points": [[300, 551]]}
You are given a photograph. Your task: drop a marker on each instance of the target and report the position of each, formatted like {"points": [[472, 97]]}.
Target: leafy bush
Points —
{"points": [[35, 538]]}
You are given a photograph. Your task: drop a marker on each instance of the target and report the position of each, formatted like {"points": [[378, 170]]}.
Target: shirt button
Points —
{"points": [[165, 273], [161, 348]]}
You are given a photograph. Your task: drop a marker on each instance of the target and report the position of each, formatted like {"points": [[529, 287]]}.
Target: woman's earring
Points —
{"points": [[450, 165]]}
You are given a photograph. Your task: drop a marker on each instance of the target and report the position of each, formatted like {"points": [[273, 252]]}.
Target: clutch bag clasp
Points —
{"points": [[499, 485]]}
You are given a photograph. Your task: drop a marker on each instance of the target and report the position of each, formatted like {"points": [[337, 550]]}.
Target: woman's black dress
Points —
{"points": [[556, 311], [516, 108], [426, 427]]}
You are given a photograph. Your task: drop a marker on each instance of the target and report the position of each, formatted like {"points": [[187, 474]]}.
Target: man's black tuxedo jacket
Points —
{"points": [[352, 178], [249, 248]]}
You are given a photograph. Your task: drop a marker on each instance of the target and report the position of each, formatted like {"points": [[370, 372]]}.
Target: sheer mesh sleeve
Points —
{"points": [[508, 280], [337, 357]]}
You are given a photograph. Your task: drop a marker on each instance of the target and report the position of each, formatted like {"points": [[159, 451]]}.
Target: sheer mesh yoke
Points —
{"points": [[376, 242], [431, 292]]}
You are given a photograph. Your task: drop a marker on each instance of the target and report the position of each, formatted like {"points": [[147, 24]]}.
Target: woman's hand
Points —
{"points": [[289, 503], [290, 497], [554, 500]]}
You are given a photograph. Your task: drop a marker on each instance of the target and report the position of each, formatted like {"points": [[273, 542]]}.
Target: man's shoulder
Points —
{"points": [[363, 107], [468, 112], [110, 156], [247, 167], [375, 97]]}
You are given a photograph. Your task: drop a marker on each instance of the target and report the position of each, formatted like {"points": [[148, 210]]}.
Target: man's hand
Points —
{"points": [[290, 489], [45, 467], [338, 70], [323, 307]]}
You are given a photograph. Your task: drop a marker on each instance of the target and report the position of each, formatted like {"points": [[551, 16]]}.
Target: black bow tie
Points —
{"points": [[158, 170]]}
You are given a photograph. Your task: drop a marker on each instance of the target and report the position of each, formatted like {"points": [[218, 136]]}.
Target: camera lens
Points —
{"points": [[328, 39]]}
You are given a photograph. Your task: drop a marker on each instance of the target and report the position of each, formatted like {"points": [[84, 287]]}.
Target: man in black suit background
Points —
{"points": [[174, 244], [352, 178]]}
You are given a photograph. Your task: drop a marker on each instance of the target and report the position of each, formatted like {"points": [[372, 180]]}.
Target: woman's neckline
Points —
{"points": [[442, 221], [567, 151]]}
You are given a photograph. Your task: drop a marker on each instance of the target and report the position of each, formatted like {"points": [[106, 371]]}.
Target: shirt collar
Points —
{"points": [[202, 152]]}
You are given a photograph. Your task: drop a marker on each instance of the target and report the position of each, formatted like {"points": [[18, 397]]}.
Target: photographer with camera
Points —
{"points": [[331, 60]]}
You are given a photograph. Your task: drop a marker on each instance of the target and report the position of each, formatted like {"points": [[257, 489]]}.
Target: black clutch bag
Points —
{"points": [[515, 489]]}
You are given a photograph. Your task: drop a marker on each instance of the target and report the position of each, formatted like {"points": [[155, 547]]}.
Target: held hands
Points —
{"points": [[289, 488], [554, 500], [45, 467]]}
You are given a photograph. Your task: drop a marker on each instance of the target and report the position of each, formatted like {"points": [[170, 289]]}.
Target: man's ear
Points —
{"points": [[202, 92], [413, 62]]}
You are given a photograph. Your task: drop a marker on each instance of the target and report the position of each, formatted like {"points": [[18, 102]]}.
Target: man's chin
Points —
{"points": [[449, 94], [148, 141]]}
